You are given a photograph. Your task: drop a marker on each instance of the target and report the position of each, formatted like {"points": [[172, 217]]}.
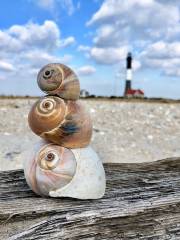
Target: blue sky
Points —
{"points": [[93, 37]]}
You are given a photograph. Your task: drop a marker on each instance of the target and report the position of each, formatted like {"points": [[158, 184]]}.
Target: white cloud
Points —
{"points": [[164, 56], [86, 70], [6, 66], [136, 13], [83, 48], [120, 20], [163, 49], [53, 5], [46, 4], [38, 58], [67, 42], [30, 36], [170, 67], [149, 26], [33, 36], [24, 49], [108, 55], [46, 35]]}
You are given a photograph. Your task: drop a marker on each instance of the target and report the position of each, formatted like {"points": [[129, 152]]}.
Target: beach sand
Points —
{"points": [[122, 131]]}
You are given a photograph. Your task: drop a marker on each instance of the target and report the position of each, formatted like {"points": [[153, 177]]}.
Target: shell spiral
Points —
{"points": [[58, 79]]}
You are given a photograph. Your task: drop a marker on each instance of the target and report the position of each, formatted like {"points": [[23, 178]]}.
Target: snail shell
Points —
{"points": [[65, 123], [58, 79], [55, 171]]}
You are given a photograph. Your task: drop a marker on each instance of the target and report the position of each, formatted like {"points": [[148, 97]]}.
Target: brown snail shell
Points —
{"points": [[66, 123], [58, 79]]}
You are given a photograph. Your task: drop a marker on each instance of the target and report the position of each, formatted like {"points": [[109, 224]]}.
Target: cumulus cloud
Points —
{"points": [[6, 66], [136, 14], [151, 26], [24, 49], [86, 70], [31, 36], [164, 56], [108, 55], [162, 49]]}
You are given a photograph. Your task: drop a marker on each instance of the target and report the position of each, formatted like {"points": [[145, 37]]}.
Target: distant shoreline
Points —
{"points": [[111, 98]]}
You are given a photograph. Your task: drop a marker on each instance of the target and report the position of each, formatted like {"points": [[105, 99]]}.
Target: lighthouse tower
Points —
{"points": [[128, 73], [129, 92]]}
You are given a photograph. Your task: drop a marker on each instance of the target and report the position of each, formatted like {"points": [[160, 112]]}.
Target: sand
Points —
{"points": [[123, 131]]}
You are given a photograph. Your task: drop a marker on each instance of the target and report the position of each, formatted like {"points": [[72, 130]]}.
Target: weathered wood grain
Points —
{"points": [[142, 201]]}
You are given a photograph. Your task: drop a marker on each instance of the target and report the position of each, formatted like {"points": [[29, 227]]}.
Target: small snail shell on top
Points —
{"points": [[56, 171], [65, 123], [58, 79]]}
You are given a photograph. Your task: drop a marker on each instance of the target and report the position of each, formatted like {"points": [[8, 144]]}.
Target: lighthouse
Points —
{"points": [[128, 73], [128, 91]]}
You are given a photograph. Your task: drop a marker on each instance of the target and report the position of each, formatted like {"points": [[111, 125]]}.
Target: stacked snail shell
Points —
{"points": [[62, 164]]}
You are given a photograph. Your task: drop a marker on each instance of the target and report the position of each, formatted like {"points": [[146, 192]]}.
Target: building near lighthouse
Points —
{"points": [[129, 91], [84, 93]]}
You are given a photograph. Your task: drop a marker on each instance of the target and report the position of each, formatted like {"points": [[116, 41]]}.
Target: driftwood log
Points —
{"points": [[142, 201]]}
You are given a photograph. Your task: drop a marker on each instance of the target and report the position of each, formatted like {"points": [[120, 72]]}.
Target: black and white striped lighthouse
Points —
{"points": [[128, 73]]}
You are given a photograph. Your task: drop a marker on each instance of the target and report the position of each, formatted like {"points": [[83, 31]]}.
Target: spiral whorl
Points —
{"points": [[46, 114]]}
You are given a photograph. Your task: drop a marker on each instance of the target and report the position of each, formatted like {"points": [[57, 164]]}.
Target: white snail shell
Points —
{"points": [[56, 171], [66, 123], [59, 79]]}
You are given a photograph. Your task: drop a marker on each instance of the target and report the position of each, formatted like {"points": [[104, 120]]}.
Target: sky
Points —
{"points": [[93, 37]]}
